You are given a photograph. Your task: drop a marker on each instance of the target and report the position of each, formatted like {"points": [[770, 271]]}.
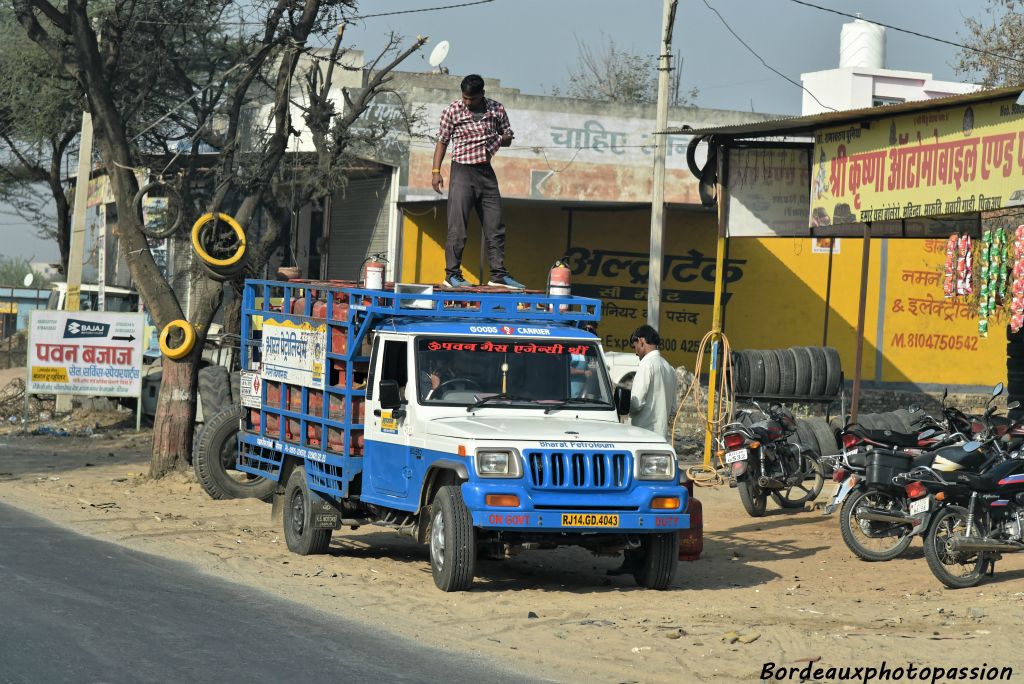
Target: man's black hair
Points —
{"points": [[472, 85], [648, 333]]}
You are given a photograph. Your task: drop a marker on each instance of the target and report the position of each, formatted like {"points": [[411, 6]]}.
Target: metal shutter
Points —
{"points": [[359, 225]]}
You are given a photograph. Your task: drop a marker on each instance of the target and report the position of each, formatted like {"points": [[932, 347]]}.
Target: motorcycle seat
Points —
{"points": [[900, 439]]}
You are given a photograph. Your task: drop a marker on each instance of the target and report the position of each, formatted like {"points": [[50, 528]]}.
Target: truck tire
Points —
{"points": [[802, 367], [452, 540], [819, 371], [787, 372], [659, 560], [213, 459], [299, 533], [772, 372], [236, 387], [214, 389]]}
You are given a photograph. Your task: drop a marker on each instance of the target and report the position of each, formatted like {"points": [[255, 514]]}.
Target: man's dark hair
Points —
{"points": [[647, 333], [472, 85]]}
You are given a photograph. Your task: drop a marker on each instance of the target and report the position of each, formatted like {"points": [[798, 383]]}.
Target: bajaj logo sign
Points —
{"points": [[75, 328]]}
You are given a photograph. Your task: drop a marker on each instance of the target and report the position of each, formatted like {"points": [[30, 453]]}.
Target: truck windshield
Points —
{"points": [[526, 373]]}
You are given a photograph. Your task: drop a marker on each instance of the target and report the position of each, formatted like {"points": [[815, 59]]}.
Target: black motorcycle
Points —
{"points": [[763, 462]]}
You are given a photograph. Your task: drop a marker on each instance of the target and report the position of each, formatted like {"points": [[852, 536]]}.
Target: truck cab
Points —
{"points": [[476, 430]]}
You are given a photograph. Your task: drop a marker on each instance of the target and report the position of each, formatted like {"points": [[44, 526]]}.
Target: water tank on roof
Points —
{"points": [[862, 44]]}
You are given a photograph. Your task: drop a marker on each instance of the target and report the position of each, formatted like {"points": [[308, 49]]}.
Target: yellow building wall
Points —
{"points": [[776, 297]]}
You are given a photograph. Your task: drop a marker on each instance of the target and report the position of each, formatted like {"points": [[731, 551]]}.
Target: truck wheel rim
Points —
{"points": [[437, 540], [298, 513]]}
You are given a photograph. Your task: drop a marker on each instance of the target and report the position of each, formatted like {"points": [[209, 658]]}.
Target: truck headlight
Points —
{"points": [[498, 463], [655, 465]]}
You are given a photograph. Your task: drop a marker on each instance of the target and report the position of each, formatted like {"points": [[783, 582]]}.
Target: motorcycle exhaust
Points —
{"points": [[765, 482], [977, 544], [876, 515]]}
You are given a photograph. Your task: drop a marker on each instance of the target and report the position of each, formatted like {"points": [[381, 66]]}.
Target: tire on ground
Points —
{"points": [[824, 437], [453, 543], [805, 435], [659, 560], [214, 389], [300, 535], [215, 443]]}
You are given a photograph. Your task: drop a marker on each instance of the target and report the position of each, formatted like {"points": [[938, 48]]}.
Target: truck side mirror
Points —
{"points": [[390, 398], [621, 397]]}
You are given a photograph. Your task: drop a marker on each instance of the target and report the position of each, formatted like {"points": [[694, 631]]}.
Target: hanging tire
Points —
{"points": [[300, 535], [824, 437], [177, 339], [214, 389], [833, 371], [659, 560], [892, 540], [802, 366], [753, 498], [771, 371], [949, 522], [168, 228], [819, 372], [218, 248], [215, 454], [452, 541], [787, 372], [756, 365]]}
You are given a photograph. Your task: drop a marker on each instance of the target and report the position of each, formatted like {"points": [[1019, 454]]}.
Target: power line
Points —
{"points": [[424, 9], [761, 59], [913, 33]]}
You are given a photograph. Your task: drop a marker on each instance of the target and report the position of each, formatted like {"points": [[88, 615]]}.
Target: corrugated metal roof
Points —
{"points": [[802, 125]]}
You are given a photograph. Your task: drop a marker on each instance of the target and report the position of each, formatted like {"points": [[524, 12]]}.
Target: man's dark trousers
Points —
{"points": [[474, 186]]}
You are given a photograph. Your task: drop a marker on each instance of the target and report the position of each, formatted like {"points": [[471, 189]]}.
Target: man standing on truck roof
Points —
{"points": [[476, 127], [654, 385]]}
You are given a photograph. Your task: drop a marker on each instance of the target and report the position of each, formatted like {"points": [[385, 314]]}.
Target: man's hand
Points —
{"points": [[506, 138], [437, 181]]}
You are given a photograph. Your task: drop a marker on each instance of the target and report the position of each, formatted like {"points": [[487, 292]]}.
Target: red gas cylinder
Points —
{"points": [[691, 541], [559, 284]]}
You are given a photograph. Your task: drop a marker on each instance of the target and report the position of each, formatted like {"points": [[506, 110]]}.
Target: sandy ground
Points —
{"points": [[780, 589]]}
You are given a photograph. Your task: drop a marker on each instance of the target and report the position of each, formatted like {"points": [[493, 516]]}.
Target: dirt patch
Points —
{"points": [[780, 589]]}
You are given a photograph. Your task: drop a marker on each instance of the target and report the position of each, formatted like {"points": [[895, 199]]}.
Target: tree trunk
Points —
{"points": [[175, 416]]}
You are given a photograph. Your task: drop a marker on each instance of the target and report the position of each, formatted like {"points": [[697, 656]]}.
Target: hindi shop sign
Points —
{"points": [[85, 352], [947, 161], [294, 353], [768, 191]]}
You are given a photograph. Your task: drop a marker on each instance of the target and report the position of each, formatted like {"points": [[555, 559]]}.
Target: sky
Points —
{"points": [[532, 44]]}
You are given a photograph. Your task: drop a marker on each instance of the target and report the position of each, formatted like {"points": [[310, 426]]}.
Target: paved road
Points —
{"points": [[75, 609]]}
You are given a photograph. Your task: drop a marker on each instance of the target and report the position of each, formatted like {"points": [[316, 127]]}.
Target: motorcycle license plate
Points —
{"points": [[589, 520], [736, 455], [919, 506]]}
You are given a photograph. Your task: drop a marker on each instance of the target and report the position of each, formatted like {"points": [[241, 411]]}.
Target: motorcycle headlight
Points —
{"points": [[498, 463], [655, 465]]}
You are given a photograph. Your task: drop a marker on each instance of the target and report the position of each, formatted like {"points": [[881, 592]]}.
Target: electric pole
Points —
{"points": [[660, 152]]}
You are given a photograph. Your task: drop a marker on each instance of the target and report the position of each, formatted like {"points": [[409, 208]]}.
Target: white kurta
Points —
{"points": [[653, 394]]}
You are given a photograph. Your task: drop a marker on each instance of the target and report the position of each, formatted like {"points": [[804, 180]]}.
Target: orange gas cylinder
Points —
{"points": [[559, 280], [691, 541]]}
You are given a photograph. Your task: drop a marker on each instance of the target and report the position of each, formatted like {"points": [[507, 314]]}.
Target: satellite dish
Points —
{"points": [[438, 54], [28, 279]]}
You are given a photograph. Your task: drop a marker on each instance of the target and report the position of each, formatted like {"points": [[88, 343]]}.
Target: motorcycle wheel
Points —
{"points": [[798, 494], [873, 541], [754, 500], [955, 570]]}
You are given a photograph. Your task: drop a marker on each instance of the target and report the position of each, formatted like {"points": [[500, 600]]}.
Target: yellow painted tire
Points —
{"points": [[208, 258], [182, 350]]}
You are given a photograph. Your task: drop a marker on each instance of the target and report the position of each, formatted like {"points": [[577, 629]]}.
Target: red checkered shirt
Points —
{"points": [[473, 142]]}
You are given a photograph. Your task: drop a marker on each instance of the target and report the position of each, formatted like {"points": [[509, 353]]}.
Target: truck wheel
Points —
{"points": [[299, 533], [214, 389], [660, 558], [452, 540], [214, 458]]}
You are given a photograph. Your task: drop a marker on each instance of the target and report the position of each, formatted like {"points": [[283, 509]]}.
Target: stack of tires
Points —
{"points": [[900, 420], [1015, 369], [813, 433], [792, 372]]}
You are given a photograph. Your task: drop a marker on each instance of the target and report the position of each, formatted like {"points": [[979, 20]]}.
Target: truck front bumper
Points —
{"points": [[593, 513]]}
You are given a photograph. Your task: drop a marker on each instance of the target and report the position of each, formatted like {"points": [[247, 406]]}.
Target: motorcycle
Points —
{"points": [[763, 462]]}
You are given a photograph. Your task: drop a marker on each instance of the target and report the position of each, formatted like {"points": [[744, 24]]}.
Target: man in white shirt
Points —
{"points": [[654, 386]]}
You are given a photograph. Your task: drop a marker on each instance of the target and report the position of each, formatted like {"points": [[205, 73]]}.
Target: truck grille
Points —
{"points": [[563, 470]]}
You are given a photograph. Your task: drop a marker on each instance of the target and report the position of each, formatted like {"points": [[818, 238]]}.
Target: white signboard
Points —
{"points": [[85, 352], [294, 353], [250, 385], [768, 192]]}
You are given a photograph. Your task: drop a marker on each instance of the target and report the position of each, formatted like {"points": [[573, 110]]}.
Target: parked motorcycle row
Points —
{"points": [[954, 479]]}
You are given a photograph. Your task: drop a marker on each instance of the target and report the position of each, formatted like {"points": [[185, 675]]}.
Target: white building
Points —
{"points": [[862, 79]]}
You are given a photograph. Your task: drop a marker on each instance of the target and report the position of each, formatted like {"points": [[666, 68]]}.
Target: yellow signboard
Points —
{"points": [[947, 161], [8, 307], [49, 374]]}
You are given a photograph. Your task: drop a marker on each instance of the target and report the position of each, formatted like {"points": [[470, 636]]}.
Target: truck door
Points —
{"points": [[386, 460]]}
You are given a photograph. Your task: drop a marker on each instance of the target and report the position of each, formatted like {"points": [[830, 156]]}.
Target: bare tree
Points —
{"points": [[207, 65], [999, 31], [614, 74]]}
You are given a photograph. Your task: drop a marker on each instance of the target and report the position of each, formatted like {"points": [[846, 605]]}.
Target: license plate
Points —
{"points": [[589, 520], [919, 506], [737, 455]]}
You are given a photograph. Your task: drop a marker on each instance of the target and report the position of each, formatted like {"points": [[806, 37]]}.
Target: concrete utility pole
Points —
{"points": [[72, 300], [660, 151]]}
